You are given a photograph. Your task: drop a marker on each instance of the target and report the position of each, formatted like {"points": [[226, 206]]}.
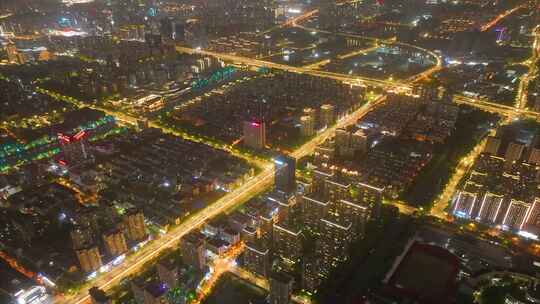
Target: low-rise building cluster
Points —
{"points": [[278, 100]]}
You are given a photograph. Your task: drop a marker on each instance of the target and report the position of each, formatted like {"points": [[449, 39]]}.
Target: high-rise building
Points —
{"points": [[532, 221], [98, 296], [355, 213], [319, 181], [257, 258], [192, 249], [534, 156], [74, 149], [249, 234], [347, 143], [536, 103], [266, 228], [324, 154], [285, 176], [255, 134], [311, 113], [281, 285], [371, 196], [514, 152], [492, 145], [359, 141], [328, 117], [307, 126], [286, 203], [287, 241], [464, 204], [179, 31], [167, 270], [81, 236], [516, 214], [134, 224], [332, 244], [341, 140], [313, 210], [115, 242], [12, 53], [336, 191], [490, 208], [89, 258], [310, 272]]}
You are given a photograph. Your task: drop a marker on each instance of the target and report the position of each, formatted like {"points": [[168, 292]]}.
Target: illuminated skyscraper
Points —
{"points": [[319, 181], [192, 249], [115, 242], [287, 241], [285, 176], [347, 143], [355, 213], [287, 206], [167, 270], [310, 272], [81, 236], [369, 196], [464, 203], [492, 145], [534, 156], [516, 214], [332, 244], [12, 53], [281, 285], [134, 225], [255, 134], [311, 113], [328, 115], [257, 258], [266, 228], [490, 208], [307, 126], [514, 152], [336, 191], [89, 258], [313, 210]]}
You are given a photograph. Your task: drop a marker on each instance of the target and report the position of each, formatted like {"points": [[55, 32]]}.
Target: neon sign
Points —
{"points": [[218, 76]]}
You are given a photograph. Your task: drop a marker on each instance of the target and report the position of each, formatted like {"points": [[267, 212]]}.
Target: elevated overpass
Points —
{"points": [[364, 81]]}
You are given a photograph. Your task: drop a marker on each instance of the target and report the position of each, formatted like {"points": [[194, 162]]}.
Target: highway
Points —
{"points": [[499, 17], [300, 70], [358, 52], [497, 108], [532, 65], [356, 80], [435, 56]]}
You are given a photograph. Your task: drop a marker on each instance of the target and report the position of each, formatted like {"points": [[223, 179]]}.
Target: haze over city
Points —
{"points": [[269, 151]]}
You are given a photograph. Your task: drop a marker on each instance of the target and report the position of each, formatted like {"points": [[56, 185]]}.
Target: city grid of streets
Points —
{"points": [[263, 180]]}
